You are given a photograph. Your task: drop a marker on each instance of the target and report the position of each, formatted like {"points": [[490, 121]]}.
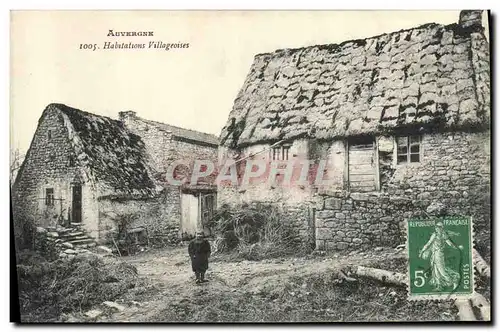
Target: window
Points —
{"points": [[281, 152], [408, 149], [276, 153], [71, 161], [49, 134], [49, 196], [285, 151]]}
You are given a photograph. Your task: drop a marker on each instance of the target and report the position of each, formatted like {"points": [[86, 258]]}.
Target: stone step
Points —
{"points": [[63, 230], [76, 224], [85, 245], [86, 240], [76, 238], [73, 235]]}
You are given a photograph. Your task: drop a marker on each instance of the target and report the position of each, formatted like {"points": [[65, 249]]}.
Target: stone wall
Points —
{"points": [[49, 163], [156, 141], [480, 55], [182, 149], [161, 216], [453, 170], [361, 220], [163, 147], [264, 188]]}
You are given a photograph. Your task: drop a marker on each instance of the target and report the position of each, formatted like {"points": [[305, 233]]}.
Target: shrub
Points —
{"points": [[48, 289], [255, 231], [24, 231], [118, 236]]}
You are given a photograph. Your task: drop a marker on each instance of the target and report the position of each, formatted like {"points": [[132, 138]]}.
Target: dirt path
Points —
{"points": [[170, 271]]}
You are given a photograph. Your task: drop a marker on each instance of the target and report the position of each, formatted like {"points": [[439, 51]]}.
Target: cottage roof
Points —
{"points": [[189, 134], [114, 156], [429, 75]]}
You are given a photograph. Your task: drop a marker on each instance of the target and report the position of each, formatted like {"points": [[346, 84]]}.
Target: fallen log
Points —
{"points": [[480, 264], [482, 304], [381, 275], [345, 277], [465, 312]]}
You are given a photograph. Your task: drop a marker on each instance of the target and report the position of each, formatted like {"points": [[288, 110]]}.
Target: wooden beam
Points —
{"points": [[258, 152], [346, 165], [465, 312], [480, 264], [381, 275], [394, 151], [199, 222], [377, 166], [482, 304]]}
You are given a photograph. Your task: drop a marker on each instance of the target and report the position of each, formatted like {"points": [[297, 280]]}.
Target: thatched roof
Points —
{"points": [[114, 157], [415, 77]]}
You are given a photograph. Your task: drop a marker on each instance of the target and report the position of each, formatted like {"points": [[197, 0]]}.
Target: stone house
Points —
{"points": [[402, 120], [166, 144], [94, 171]]}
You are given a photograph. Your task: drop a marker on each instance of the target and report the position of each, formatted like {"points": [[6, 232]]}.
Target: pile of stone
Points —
{"points": [[45, 244], [63, 242]]}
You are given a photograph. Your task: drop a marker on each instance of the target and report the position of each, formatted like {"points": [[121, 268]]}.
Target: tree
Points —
{"points": [[16, 160]]}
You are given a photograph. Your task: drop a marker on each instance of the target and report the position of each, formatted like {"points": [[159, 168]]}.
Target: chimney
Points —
{"points": [[471, 18], [124, 116]]}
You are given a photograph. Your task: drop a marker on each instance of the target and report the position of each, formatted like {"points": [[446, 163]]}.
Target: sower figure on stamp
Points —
{"points": [[441, 274], [434, 251], [199, 252]]}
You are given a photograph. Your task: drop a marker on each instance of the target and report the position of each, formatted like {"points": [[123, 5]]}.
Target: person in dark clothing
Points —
{"points": [[199, 252]]}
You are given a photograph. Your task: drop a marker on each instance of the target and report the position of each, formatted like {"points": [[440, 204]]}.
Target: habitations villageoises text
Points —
{"points": [[151, 44], [131, 45], [120, 45]]}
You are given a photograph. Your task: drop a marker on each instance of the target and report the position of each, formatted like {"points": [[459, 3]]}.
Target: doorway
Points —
{"points": [[362, 168], [189, 219], [208, 205], [197, 211], [76, 206]]}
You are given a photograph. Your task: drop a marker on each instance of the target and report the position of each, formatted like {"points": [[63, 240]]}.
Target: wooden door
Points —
{"points": [[312, 227], [208, 202], [189, 222], [76, 206], [362, 168]]}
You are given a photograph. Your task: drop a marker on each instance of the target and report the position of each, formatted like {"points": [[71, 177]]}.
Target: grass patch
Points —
{"points": [[49, 289], [312, 298]]}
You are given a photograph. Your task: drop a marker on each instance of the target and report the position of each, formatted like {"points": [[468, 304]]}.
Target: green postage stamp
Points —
{"points": [[440, 258]]}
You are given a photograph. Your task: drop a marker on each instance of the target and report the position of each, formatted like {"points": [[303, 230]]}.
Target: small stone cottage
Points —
{"points": [[402, 120], [93, 171]]}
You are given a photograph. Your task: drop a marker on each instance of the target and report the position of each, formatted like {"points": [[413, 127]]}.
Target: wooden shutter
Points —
{"points": [[362, 168]]}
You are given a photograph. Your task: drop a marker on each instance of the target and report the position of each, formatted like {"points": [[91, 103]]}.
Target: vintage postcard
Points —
{"points": [[251, 166]]}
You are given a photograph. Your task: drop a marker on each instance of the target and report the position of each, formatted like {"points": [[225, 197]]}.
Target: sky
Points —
{"points": [[191, 87]]}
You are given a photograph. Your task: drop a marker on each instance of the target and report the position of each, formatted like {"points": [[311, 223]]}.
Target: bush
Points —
{"points": [[24, 231], [48, 289], [255, 232]]}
